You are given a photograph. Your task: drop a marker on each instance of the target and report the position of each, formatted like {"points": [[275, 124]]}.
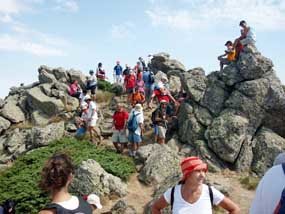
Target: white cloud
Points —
{"points": [[186, 14], [6, 18], [123, 31], [66, 5], [12, 43], [11, 6]]}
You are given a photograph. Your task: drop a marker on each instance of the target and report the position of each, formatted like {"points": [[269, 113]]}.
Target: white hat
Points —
{"points": [[87, 97], [138, 107], [84, 105], [95, 200], [160, 85]]}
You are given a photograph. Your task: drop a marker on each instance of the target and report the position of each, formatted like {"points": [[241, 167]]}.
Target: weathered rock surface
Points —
{"points": [[121, 207], [90, 177], [267, 145], [12, 111], [155, 170], [4, 124]]}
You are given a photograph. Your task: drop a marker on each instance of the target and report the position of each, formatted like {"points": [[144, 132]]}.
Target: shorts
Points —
{"points": [[92, 89], [134, 138], [92, 123], [155, 129], [119, 136], [129, 90], [161, 131]]}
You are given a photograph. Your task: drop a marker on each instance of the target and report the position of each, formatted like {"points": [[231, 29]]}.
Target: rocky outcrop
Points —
{"points": [[155, 169], [90, 177], [4, 124], [121, 207], [11, 110]]}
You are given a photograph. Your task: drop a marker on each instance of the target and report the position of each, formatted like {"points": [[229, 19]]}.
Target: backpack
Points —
{"points": [[151, 78], [153, 117], [281, 205], [172, 196], [133, 123]]}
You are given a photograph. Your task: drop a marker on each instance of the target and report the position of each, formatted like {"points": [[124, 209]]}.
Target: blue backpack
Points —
{"points": [[133, 122], [281, 205]]}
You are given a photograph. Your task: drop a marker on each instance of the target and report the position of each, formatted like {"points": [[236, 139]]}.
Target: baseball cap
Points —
{"points": [[95, 200], [84, 106]]}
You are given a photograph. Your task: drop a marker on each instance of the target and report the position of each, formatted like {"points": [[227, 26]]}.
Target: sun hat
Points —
{"points": [[84, 106], [95, 200], [87, 97], [138, 107], [191, 164]]}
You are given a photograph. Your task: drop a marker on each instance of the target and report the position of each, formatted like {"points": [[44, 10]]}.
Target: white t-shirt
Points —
{"points": [[251, 34], [201, 206], [92, 79], [70, 204], [91, 108], [139, 117], [268, 192]]}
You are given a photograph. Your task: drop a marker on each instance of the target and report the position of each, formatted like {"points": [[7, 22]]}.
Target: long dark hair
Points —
{"points": [[56, 172]]}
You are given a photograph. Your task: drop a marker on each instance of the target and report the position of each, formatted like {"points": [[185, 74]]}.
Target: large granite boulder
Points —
{"points": [[194, 82], [42, 136], [162, 62], [161, 163], [4, 124], [267, 145], [226, 135], [252, 65], [45, 76], [76, 75], [2, 102], [37, 100], [12, 111], [230, 75], [90, 177]]}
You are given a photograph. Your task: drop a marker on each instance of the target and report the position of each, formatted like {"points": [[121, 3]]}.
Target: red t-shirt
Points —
{"points": [[119, 119], [130, 81], [161, 96]]}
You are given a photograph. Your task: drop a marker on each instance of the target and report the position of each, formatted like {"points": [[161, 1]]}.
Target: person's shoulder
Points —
{"points": [[49, 211]]}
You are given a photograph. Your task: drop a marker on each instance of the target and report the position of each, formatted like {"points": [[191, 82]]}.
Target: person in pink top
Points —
{"points": [[140, 84], [74, 89]]}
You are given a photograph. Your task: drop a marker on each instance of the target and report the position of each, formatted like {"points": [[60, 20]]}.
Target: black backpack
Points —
{"points": [[172, 195], [280, 209]]}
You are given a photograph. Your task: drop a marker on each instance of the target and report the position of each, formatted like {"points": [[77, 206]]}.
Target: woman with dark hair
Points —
{"points": [[56, 177], [100, 72]]}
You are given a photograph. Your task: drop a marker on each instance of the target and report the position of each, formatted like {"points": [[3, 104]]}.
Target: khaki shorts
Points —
{"points": [[161, 131], [119, 136]]}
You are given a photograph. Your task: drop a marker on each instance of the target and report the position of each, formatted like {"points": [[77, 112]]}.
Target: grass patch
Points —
{"points": [[20, 182], [103, 96], [249, 182]]}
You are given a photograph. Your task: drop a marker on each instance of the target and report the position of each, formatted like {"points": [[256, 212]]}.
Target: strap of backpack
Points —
{"points": [[172, 197], [211, 195]]}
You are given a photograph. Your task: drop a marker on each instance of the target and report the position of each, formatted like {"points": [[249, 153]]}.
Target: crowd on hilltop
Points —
{"points": [[144, 90]]}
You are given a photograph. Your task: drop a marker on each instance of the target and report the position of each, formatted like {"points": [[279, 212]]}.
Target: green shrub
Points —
{"points": [[104, 85], [20, 182]]}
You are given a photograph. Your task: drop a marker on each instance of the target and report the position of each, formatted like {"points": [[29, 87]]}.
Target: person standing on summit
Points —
{"points": [[118, 70], [248, 36], [100, 72]]}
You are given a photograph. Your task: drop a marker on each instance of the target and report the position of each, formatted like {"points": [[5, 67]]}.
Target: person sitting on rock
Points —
{"points": [[137, 97], [191, 195], [247, 35], [82, 122], [92, 120], [228, 56], [161, 119], [74, 89], [91, 82], [100, 72], [135, 127], [56, 176], [119, 137]]}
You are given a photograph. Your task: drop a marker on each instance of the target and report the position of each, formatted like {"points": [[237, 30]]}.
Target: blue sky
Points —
{"points": [[80, 33]]}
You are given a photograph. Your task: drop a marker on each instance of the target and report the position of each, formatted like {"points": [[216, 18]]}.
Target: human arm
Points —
{"points": [[230, 206], [158, 205]]}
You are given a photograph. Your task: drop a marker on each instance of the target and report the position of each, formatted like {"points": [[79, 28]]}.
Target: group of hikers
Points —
{"points": [[191, 194]]}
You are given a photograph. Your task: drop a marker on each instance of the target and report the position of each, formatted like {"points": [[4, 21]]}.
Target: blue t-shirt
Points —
{"points": [[146, 78], [118, 70]]}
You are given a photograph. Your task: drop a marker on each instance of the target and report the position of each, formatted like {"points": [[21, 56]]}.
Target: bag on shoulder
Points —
{"points": [[153, 114], [281, 205], [133, 122]]}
